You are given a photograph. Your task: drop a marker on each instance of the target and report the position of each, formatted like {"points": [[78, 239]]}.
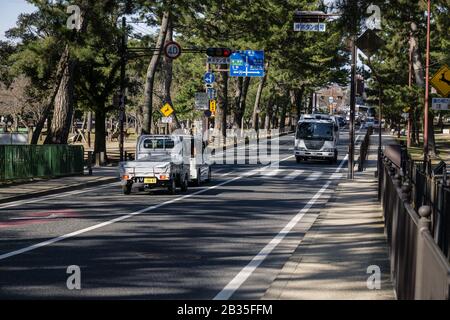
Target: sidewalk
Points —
{"points": [[21, 191], [332, 260]]}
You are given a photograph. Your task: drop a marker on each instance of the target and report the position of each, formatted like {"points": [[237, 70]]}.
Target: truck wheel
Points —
{"points": [[298, 159], [185, 184], [173, 186], [126, 189], [198, 181]]}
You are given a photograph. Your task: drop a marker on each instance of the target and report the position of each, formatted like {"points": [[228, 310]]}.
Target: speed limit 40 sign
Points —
{"points": [[172, 50]]}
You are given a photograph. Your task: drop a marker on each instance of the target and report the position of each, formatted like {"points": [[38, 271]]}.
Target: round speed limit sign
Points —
{"points": [[172, 50]]}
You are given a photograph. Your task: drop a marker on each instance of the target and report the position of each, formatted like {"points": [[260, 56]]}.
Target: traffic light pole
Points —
{"points": [[351, 151]]}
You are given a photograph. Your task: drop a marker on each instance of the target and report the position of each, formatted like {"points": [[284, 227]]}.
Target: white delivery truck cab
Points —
{"points": [[163, 161], [316, 139]]}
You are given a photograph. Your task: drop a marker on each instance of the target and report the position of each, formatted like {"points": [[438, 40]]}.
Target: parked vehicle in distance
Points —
{"points": [[342, 122], [162, 161], [369, 123], [316, 139]]}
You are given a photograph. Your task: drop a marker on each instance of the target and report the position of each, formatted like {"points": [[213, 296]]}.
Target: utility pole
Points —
{"points": [[123, 53], [427, 89]]}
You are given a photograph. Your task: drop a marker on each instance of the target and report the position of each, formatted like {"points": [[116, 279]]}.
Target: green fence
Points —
{"points": [[19, 162]]}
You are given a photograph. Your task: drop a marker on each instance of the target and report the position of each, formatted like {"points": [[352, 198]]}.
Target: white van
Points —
{"points": [[316, 139]]}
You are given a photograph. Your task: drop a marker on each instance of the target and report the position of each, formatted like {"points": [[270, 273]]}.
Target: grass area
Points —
{"points": [[442, 148]]}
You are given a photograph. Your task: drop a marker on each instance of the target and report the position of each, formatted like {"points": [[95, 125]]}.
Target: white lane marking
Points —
{"points": [[127, 216], [62, 195], [271, 173], [337, 176], [71, 193], [314, 176], [294, 175], [248, 270]]}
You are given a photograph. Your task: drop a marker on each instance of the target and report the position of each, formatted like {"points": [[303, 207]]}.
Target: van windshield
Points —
{"points": [[315, 131]]}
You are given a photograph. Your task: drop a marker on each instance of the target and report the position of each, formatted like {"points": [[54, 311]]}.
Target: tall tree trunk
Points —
{"points": [[283, 113], [100, 130], [269, 116], [63, 61], [151, 71], [222, 102], [89, 128], [241, 102], [243, 106], [259, 92], [63, 111], [298, 101], [239, 82]]}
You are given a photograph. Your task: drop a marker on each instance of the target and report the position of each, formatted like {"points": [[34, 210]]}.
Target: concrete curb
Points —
{"points": [[72, 187]]}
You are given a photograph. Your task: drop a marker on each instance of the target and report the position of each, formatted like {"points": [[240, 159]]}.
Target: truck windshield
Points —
{"points": [[162, 144], [315, 131]]}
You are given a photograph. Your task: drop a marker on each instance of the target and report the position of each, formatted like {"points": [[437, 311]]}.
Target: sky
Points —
{"points": [[10, 10]]}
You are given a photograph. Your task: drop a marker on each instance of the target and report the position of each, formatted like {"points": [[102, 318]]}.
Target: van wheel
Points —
{"points": [[126, 189], [298, 159], [185, 184], [172, 187]]}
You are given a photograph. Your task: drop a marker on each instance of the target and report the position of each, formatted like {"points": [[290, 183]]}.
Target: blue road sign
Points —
{"points": [[248, 63], [209, 78], [212, 93]]}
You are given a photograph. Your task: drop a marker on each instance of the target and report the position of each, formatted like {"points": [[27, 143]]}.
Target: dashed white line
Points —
{"points": [[293, 175], [248, 270], [314, 176]]}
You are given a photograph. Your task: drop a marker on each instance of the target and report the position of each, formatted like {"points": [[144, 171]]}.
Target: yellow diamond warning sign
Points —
{"points": [[166, 110], [441, 81]]}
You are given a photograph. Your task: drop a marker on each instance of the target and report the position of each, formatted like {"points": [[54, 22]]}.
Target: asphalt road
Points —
{"points": [[224, 240]]}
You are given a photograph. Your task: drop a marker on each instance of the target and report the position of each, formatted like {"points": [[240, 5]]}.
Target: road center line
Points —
{"points": [[127, 216]]}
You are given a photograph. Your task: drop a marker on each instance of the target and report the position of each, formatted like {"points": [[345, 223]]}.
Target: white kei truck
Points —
{"points": [[165, 161]]}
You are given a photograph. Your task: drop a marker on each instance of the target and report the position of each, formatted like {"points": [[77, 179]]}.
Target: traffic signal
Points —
{"points": [[218, 52]]}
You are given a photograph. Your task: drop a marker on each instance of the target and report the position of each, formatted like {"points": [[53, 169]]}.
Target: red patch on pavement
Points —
{"points": [[38, 218]]}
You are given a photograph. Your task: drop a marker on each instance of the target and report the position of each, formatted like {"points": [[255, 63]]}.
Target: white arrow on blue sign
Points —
{"points": [[248, 63], [209, 78]]}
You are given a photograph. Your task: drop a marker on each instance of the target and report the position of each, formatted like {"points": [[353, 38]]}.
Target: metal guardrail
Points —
{"points": [[364, 150], [419, 268], [20, 162]]}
